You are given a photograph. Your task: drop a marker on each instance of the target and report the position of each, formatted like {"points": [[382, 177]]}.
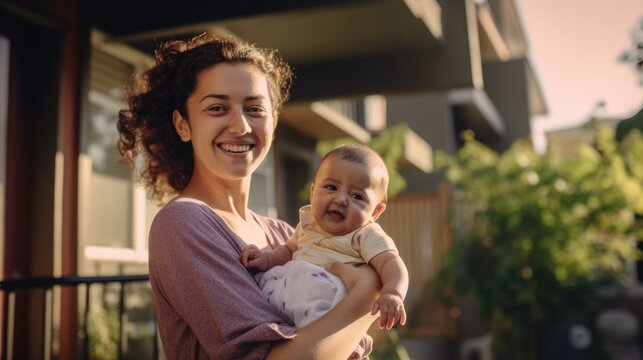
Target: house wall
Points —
{"points": [[430, 116], [506, 85]]}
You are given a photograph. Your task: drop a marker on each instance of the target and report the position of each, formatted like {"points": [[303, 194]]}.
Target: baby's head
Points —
{"points": [[349, 189]]}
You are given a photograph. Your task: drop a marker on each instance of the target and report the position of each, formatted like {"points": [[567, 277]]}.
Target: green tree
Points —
{"points": [[538, 232], [634, 55]]}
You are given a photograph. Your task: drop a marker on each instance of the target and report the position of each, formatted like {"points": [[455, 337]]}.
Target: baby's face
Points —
{"points": [[344, 196]]}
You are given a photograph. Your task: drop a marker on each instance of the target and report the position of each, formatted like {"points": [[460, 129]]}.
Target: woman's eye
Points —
{"points": [[256, 110], [330, 187], [216, 108]]}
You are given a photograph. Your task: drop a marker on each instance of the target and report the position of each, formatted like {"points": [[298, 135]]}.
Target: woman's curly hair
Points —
{"points": [[147, 126]]}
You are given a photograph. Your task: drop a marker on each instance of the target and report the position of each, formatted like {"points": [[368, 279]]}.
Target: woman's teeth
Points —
{"points": [[236, 148]]}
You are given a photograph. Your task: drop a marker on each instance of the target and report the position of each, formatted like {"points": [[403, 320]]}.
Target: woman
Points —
{"points": [[204, 118]]}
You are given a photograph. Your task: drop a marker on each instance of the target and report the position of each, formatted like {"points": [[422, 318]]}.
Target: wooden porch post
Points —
{"points": [[70, 106]]}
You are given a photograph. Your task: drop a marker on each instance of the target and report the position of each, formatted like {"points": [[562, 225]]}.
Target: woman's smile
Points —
{"points": [[235, 148]]}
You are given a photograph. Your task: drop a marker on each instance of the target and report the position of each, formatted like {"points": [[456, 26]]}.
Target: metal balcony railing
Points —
{"points": [[47, 284]]}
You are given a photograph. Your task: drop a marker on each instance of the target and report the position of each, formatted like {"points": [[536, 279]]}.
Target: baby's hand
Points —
{"points": [[391, 308], [253, 257]]}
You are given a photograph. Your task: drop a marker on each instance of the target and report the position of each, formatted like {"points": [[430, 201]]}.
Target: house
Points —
{"points": [[566, 140], [69, 207]]}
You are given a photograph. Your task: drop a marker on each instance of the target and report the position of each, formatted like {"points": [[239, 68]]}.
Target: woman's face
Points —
{"points": [[230, 121]]}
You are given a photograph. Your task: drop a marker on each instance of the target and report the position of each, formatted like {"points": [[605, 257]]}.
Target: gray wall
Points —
{"points": [[429, 115], [506, 84]]}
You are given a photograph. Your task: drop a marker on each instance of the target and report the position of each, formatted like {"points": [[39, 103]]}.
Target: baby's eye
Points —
{"points": [[357, 196], [330, 187]]}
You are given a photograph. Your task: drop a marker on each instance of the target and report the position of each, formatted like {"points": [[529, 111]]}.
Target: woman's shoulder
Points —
{"points": [[182, 208], [186, 224], [184, 214]]}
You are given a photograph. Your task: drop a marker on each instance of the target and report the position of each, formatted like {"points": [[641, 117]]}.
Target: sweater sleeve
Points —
{"points": [[207, 304]]}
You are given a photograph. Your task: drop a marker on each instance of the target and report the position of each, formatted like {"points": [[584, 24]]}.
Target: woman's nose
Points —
{"points": [[238, 123]]}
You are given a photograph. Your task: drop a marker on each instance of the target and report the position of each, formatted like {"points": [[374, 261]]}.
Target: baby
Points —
{"points": [[347, 196]]}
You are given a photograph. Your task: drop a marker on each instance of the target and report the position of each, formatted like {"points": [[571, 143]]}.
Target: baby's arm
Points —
{"points": [[253, 257], [395, 283]]}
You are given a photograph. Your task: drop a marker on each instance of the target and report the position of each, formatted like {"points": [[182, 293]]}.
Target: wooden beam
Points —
{"points": [[430, 12], [455, 63]]}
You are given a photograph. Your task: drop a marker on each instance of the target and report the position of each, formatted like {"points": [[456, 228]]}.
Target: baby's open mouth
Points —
{"points": [[335, 214]]}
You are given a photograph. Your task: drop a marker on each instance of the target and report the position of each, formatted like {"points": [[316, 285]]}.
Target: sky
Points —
{"points": [[574, 47]]}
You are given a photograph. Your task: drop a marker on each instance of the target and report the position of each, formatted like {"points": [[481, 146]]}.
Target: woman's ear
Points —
{"points": [[181, 125], [379, 209]]}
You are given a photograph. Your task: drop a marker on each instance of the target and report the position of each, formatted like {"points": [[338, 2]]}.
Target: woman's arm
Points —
{"points": [[206, 302], [336, 334]]}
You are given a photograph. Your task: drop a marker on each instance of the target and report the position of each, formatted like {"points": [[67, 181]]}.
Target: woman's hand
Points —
{"points": [[363, 276], [336, 334]]}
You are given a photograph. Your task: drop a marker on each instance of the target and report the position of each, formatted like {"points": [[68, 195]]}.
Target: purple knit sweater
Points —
{"points": [[207, 304]]}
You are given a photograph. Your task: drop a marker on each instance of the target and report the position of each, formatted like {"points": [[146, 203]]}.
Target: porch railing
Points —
{"points": [[47, 284]]}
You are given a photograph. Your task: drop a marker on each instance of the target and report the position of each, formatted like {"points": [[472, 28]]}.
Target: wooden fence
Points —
{"points": [[420, 226]]}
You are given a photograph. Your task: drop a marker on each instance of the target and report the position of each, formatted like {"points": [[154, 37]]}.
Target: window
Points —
{"points": [[114, 214], [297, 166], [262, 189]]}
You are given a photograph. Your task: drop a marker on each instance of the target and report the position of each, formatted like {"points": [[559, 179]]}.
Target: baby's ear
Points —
{"points": [[379, 209]]}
